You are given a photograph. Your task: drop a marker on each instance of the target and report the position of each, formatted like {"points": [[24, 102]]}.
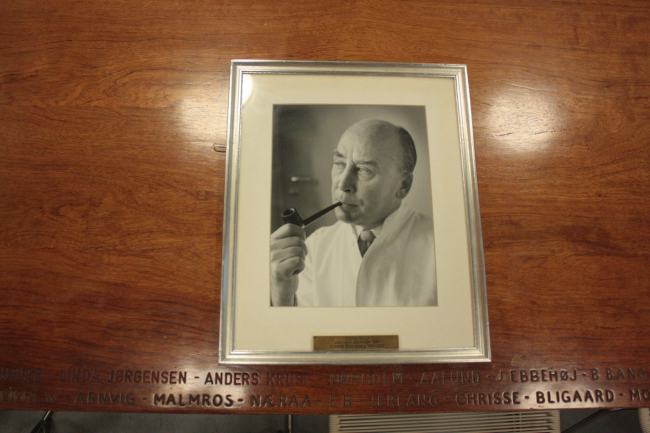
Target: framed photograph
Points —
{"points": [[352, 230]]}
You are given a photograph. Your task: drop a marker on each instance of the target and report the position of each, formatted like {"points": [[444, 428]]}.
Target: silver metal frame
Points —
{"points": [[480, 352]]}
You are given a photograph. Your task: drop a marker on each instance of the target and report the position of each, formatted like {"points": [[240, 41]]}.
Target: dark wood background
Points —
{"points": [[112, 149]]}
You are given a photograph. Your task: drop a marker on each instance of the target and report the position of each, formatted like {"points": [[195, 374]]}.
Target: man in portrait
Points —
{"points": [[380, 252]]}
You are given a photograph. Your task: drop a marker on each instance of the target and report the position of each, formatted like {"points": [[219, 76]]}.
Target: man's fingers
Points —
{"points": [[287, 253], [292, 242], [290, 267], [288, 230]]}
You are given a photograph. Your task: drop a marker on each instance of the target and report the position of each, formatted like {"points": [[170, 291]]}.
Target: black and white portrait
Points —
{"points": [[362, 172]]}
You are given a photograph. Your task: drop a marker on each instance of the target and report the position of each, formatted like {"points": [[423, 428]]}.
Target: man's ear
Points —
{"points": [[405, 187]]}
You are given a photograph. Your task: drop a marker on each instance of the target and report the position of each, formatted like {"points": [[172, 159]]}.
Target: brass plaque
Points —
{"points": [[355, 342]]}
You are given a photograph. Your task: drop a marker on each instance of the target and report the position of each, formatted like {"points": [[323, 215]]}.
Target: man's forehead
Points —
{"points": [[364, 148], [358, 158]]}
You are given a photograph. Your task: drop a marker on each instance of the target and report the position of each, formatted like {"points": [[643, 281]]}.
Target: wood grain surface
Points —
{"points": [[112, 152]]}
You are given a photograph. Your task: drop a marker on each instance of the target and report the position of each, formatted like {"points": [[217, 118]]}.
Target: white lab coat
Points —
{"points": [[397, 270]]}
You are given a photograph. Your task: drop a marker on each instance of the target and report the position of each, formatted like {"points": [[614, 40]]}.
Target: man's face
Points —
{"points": [[367, 176]]}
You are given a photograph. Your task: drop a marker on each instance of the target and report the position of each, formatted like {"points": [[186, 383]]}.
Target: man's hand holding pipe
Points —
{"points": [[288, 251]]}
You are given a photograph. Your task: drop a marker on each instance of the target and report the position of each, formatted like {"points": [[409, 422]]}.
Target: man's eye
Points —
{"points": [[339, 165], [364, 171]]}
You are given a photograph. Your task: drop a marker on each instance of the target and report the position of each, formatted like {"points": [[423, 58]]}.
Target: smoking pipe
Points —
{"points": [[291, 215]]}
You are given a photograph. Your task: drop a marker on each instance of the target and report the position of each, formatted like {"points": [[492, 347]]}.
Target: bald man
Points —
{"points": [[379, 252]]}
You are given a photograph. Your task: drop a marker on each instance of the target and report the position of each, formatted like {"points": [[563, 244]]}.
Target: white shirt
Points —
{"points": [[397, 270]]}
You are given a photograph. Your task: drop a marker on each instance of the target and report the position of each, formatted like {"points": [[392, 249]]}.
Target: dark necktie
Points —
{"points": [[365, 239]]}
